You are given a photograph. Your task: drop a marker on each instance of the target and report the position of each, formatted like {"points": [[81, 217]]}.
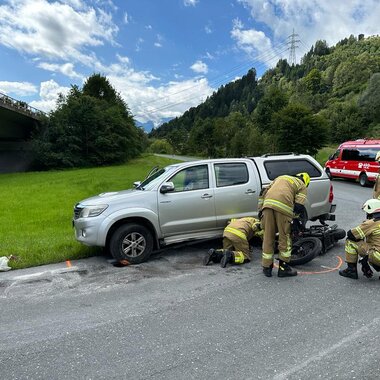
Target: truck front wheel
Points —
{"points": [[131, 242]]}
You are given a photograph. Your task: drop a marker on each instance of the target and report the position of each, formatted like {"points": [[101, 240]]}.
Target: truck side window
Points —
{"points": [[194, 178], [335, 155], [230, 174], [276, 168]]}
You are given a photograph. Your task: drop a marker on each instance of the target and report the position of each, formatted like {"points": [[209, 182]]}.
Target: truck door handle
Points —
{"points": [[206, 196], [250, 191]]}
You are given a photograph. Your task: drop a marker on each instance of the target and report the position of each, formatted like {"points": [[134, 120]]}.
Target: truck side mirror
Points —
{"points": [[167, 187]]}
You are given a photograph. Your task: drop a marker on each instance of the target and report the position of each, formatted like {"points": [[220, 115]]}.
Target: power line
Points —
{"points": [[219, 79], [265, 57]]}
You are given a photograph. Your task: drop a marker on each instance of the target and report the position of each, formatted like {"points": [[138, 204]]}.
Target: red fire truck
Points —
{"points": [[355, 160]]}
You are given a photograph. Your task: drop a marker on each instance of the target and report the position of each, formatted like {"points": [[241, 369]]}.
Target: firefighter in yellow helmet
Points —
{"points": [[376, 187], [364, 241], [279, 203], [236, 237]]}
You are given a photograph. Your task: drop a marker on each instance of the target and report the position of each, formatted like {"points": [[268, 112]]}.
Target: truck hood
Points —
{"points": [[114, 197]]}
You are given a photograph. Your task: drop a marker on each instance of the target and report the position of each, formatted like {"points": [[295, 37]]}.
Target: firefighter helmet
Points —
{"points": [[377, 158], [304, 177], [371, 206]]}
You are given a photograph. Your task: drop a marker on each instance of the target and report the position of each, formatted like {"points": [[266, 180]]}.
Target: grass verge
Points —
{"points": [[35, 222]]}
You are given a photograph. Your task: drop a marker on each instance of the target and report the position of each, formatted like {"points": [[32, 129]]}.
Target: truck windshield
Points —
{"points": [[155, 178]]}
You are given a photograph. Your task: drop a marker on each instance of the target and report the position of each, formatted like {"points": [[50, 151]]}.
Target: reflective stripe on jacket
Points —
{"points": [[282, 193], [245, 228], [370, 231]]}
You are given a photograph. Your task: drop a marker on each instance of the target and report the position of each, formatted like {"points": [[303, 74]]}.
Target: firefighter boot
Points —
{"points": [[351, 271], [213, 255], [285, 270], [268, 270], [228, 258]]}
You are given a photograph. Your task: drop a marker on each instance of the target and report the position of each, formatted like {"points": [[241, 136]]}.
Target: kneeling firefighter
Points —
{"points": [[364, 241], [236, 237]]}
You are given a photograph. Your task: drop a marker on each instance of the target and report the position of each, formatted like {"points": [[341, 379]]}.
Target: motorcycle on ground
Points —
{"points": [[313, 241]]}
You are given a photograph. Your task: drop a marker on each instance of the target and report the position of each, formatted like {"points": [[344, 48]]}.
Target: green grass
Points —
{"points": [[324, 153], [37, 209]]}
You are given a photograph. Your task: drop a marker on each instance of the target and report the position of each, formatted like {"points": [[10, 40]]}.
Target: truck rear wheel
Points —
{"points": [[132, 242], [363, 180]]}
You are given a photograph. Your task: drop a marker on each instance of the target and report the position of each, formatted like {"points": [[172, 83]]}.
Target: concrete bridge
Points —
{"points": [[18, 121]]}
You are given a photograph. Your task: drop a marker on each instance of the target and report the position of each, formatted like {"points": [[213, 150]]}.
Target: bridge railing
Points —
{"points": [[20, 106]]}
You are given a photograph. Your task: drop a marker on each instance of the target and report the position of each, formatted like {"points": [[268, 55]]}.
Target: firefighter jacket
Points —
{"points": [[369, 231], [245, 228], [282, 194], [376, 188]]}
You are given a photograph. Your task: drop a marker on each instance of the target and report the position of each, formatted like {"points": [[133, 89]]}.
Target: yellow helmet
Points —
{"points": [[304, 177]]}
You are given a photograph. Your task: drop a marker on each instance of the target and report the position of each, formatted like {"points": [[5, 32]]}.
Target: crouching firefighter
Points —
{"points": [[364, 241], [236, 237], [279, 203]]}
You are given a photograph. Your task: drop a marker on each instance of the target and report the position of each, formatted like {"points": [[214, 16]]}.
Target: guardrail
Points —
{"points": [[20, 106]]}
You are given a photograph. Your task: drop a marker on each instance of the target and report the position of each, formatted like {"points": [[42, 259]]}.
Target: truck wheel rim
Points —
{"points": [[133, 244]]}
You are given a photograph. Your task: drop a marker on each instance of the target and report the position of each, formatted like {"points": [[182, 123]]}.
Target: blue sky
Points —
{"points": [[163, 56]]}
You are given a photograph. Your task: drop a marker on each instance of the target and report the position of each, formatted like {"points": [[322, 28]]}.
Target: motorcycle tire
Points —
{"points": [[339, 234], [304, 250]]}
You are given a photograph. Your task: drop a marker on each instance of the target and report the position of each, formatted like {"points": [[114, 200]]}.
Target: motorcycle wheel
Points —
{"points": [[304, 250]]}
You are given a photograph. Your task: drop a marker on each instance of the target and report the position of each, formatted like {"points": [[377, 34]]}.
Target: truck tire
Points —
{"points": [[132, 242], [304, 250], [363, 180]]}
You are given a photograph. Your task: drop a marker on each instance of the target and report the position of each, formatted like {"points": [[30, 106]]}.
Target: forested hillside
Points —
{"points": [[331, 96]]}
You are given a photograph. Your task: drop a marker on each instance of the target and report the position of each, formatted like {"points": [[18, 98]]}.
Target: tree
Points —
{"points": [[161, 146], [298, 130], [273, 100], [346, 121], [369, 102], [92, 126]]}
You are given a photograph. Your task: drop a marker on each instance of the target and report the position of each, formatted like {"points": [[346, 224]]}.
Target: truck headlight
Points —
{"points": [[90, 211]]}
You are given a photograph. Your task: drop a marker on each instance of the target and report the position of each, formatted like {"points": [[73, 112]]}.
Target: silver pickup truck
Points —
{"points": [[191, 201]]}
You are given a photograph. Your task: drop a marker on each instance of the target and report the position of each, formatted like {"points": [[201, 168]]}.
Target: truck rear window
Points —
{"points": [[291, 167], [230, 174]]}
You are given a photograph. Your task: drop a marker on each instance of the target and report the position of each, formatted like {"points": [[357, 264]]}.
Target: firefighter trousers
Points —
{"points": [[353, 249], [238, 245], [273, 222]]}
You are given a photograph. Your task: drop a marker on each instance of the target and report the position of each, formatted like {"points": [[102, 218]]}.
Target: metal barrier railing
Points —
{"points": [[20, 106]]}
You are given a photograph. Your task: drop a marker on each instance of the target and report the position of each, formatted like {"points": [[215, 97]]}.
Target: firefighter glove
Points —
{"points": [[366, 269]]}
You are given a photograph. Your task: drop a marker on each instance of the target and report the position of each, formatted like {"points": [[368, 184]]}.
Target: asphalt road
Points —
{"points": [[172, 318]]}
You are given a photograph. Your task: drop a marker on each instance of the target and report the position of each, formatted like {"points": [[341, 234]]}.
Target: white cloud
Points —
{"points": [[255, 43], [315, 20], [49, 92], [54, 30], [148, 102], [17, 88], [65, 69], [157, 44], [199, 67], [208, 29], [126, 18], [189, 3], [139, 43]]}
